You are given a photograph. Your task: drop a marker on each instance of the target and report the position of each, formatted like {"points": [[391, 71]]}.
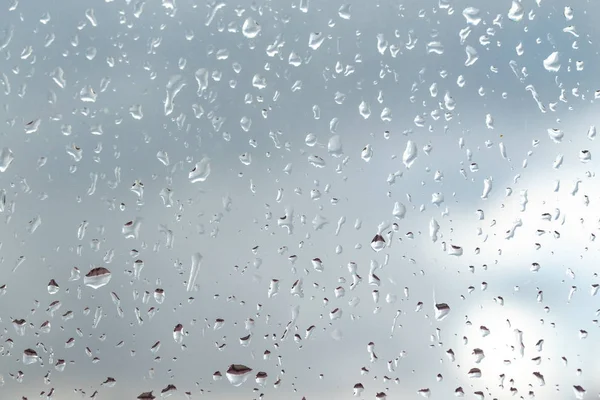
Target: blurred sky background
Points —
{"points": [[270, 105]]}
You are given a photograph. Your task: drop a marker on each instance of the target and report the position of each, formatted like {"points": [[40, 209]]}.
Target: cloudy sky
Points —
{"points": [[313, 126]]}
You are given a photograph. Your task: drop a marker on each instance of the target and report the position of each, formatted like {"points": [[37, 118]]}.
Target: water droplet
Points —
{"points": [[552, 62], [89, 14], [364, 109], [455, 250], [471, 14], [334, 146], [591, 134], [109, 382], [472, 56], [335, 314], [579, 392], [163, 157], [410, 154], [159, 296], [435, 48], [30, 356], [201, 171], [474, 373], [136, 111], [540, 378], [316, 161], [399, 210], [441, 311], [194, 269], [516, 11], [556, 135], [53, 287], [246, 158], [219, 323], [487, 188], [97, 277], [294, 59], [261, 378], [88, 95], [317, 264], [237, 374], [367, 153], [178, 333], [131, 229], [251, 28], [568, 13], [358, 389], [20, 325], [6, 158], [315, 40], [345, 11], [585, 156], [273, 288], [310, 140], [245, 340], [378, 243]]}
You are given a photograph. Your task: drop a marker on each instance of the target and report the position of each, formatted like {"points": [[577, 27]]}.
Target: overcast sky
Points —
{"points": [[317, 134]]}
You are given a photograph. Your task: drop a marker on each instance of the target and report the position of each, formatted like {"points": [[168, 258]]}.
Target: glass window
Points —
{"points": [[298, 199]]}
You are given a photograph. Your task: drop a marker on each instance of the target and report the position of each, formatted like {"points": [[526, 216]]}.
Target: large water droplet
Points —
{"points": [[334, 146], [552, 62], [194, 269], [6, 158], [472, 56], [345, 11], [53, 287], [315, 40], [378, 243], [178, 333], [201, 171], [410, 154], [250, 28], [471, 14], [97, 277], [237, 374], [516, 11], [30, 356], [441, 311]]}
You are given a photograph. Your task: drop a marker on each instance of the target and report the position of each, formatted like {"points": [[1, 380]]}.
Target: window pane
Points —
{"points": [[298, 199]]}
